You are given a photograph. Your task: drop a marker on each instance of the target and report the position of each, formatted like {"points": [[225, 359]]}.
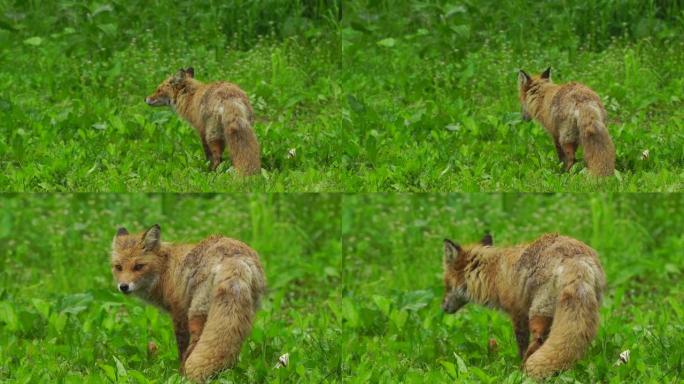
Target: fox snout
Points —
{"points": [[153, 102], [126, 288], [447, 307], [524, 115], [453, 301]]}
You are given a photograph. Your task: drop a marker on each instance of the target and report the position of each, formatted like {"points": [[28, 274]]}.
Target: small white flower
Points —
{"points": [[644, 154], [283, 361], [624, 358], [291, 153]]}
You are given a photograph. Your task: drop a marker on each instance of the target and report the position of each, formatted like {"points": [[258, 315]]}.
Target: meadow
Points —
{"points": [[395, 331], [431, 91], [363, 95], [63, 320], [75, 76]]}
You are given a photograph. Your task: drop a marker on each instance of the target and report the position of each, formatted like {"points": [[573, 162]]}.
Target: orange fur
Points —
{"points": [[551, 288], [572, 114], [211, 289], [221, 114]]}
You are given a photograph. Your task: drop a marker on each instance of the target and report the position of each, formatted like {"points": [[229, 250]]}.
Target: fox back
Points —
{"points": [[179, 276]]}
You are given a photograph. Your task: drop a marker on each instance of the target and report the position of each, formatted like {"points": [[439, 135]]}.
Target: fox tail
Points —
{"points": [[229, 322], [599, 150], [575, 324], [242, 142]]}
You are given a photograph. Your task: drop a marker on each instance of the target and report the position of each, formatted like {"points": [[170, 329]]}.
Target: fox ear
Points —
{"points": [[151, 238], [121, 231], [190, 72], [523, 78], [487, 239], [178, 77], [451, 251], [546, 74]]}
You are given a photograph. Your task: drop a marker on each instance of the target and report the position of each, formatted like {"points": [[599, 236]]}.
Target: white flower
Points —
{"points": [[283, 361], [624, 358]]}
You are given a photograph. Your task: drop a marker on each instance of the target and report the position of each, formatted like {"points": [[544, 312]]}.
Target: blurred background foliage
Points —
{"points": [[100, 28], [558, 24]]}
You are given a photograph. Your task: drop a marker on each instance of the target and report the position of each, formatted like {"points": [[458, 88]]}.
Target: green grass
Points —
{"points": [[354, 285], [395, 331], [62, 320], [375, 96], [432, 92], [77, 121]]}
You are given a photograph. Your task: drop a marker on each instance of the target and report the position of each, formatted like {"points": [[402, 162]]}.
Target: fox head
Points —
{"points": [[166, 92], [137, 260], [456, 261], [525, 84]]}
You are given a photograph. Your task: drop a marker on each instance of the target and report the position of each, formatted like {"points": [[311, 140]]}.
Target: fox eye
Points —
{"points": [[118, 267], [138, 267]]}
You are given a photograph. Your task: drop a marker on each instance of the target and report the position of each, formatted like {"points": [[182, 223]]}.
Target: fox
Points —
{"points": [[211, 289], [572, 114], [551, 288], [221, 114]]}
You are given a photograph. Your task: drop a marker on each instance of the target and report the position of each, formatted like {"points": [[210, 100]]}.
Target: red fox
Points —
{"points": [[221, 114], [551, 288], [572, 114], [211, 289]]}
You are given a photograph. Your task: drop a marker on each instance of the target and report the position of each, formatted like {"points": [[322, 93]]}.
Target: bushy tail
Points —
{"points": [[575, 324], [228, 323], [599, 151], [245, 152]]}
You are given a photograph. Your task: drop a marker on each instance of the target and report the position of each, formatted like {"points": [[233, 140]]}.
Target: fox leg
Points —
{"points": [[216, 148], [215, 141], [182, 338], [195, 328], [569, 150], [559, 151], [539, 327], [205, 146], [522, 334]]}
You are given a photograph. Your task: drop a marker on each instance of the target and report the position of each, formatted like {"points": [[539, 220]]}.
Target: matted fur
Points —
{"points": [[554, 280], [211, 289], [221, 114], [572, 114]]}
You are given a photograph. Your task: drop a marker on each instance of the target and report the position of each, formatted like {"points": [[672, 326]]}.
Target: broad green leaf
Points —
{"points": [[388, 42], [349, 312], [383, 304], [108, 371], [462, 368], [34, 41], [8, 316]]}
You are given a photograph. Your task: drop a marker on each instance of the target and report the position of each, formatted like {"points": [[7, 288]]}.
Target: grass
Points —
{"points": [[77, 120], [354, 285], [395, 331], [432, 92], [354, 96], [62, 320], [376, 96]]}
